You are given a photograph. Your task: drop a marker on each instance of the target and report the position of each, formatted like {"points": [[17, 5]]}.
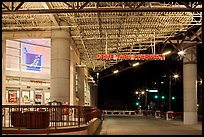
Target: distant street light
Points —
{"points": [[175, 76], [142, 93]]}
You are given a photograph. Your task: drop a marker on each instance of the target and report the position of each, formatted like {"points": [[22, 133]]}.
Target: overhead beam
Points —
{"points": [[141, 9], [6, 6], [18, 7], [196, 35], [80, 8], [69, 5], [54, 19]]}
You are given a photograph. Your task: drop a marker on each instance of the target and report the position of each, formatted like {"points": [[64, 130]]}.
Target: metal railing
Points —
{"points": [[121, 112], [156, 113], [46, 116]]}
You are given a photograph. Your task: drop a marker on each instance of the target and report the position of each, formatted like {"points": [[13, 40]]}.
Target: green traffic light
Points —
{"points": [[163, 97], [172, 98], [137, 103], [156, 96]]}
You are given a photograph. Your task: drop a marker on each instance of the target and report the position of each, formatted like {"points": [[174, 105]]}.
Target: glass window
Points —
{"points": [[12, 55]]}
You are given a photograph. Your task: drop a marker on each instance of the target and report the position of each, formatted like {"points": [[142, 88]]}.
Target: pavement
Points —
{"points": [[146, 125]]}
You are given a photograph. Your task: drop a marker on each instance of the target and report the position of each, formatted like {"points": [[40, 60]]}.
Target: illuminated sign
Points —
{"points": [[130, 57], [153, 90], [33, 61]]}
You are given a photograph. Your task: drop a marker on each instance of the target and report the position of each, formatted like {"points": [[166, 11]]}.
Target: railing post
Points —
{"points": [[79, 114]]}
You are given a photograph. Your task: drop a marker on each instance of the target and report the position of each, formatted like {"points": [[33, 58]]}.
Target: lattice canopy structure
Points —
{"points": [[105, 27]]}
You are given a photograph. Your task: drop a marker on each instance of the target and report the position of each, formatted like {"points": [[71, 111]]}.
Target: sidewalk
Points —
{"points": [[145, 125]]}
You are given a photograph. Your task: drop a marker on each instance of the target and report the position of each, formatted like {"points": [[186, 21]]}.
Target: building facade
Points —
{"points": [[26, 73]]}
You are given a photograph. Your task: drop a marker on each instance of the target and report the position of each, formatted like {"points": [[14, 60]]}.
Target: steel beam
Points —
{"points": [[141, 9]]}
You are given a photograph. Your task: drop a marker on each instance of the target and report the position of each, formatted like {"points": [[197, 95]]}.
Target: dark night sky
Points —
{"points": [[117, 91]]}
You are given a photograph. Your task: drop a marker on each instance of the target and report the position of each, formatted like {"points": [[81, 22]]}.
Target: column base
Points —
{"points": [[190, 118]]}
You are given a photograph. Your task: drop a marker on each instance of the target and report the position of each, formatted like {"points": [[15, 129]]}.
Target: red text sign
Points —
{"points": [[130, 57]]}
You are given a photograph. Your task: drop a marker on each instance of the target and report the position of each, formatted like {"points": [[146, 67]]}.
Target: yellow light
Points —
{"points": [[176, 76], [166, 53], [116, 71], [143, 92], [137, 92], [135, 64]]}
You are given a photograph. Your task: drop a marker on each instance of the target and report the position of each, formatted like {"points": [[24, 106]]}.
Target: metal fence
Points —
{"points": [[46, 116]]}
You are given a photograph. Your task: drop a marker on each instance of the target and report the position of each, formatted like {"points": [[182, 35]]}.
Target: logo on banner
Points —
{"points": [[33, 61]]}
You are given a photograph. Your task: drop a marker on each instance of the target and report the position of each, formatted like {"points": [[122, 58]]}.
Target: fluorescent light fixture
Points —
{"points": [[152, 90], [135, 64], [166, 53], [116, 71]]}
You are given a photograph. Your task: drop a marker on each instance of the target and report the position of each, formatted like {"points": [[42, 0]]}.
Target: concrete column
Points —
{"points": [[3, 72], [72, 77], [81, 77], [93, 94], [60, 65], [190, 86]]}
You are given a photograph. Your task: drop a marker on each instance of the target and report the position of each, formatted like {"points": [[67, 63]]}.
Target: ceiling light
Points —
{"points": [[135, 64], [116, 71], [181, 53], [166, 53]]}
